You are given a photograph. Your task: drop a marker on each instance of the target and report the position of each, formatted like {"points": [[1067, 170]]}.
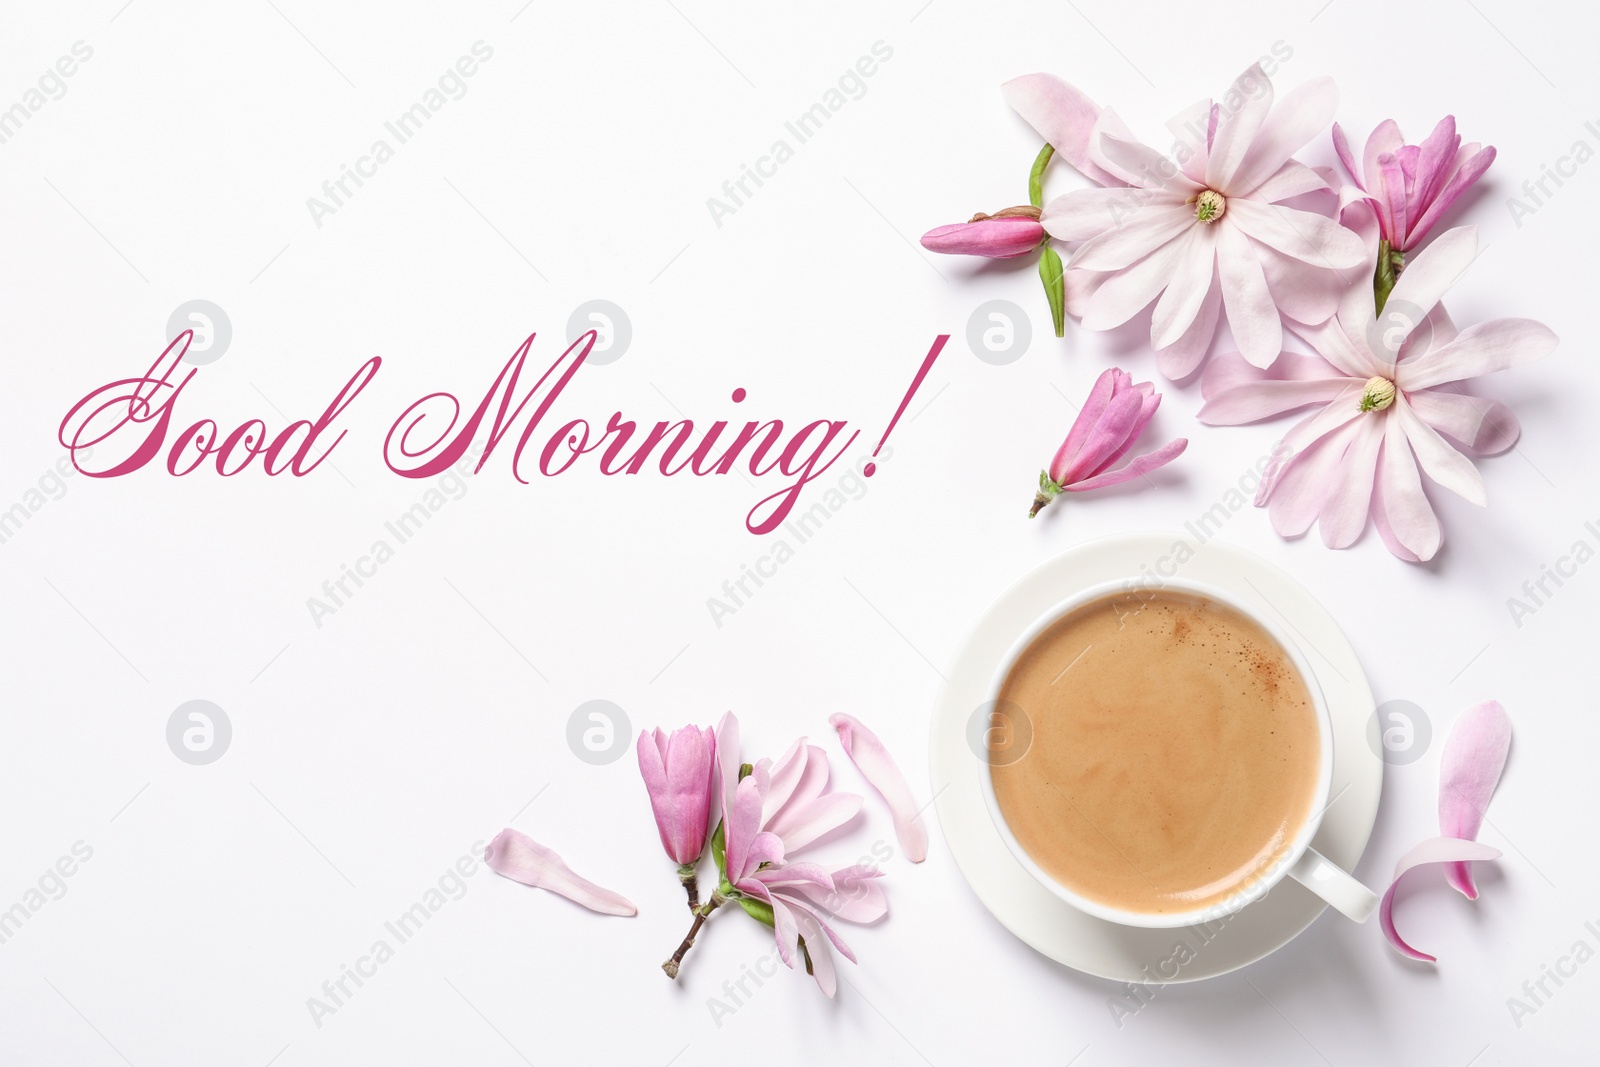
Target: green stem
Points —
{"points": [[1036, 176]]}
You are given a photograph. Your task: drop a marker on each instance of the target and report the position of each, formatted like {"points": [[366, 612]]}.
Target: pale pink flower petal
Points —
{"points": [[1299, 116], [877, 766], [1312, 238], [1186, 291], [1134, 468], [1474, 756], [1297, 381], [1304, 292], [1292, 179], [1432, 851], [1252, 316], [520, 858], [1184, 356], [1400, 508], [1344, 515], [1236, 131], [1482, 426], [1062, 115], [1136, 236], [1482, 348], [1085, 213], [1307, 480], [1432, 271], [1125, 293], [1437, 459]]}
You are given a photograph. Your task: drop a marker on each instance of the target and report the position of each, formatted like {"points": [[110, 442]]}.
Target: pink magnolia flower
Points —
{"points": [[1211, 228], [1388, 404], [775, 811], [1412, 186], [1004, 235], [1107, 426], [679, 773]]}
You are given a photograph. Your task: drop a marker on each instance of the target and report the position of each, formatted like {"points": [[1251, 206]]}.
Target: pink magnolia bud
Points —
{"points": [[678, 773], [1012, 232]]}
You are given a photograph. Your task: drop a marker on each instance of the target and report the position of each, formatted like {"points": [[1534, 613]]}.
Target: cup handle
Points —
{"points": [[1335, 885]]}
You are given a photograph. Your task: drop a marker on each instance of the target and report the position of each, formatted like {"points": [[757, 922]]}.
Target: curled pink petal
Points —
{"points": [[522, 859], [877, 766], [1473, 758], [1433, 850]]}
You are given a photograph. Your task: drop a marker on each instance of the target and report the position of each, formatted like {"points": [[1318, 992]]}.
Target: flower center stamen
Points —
{"points": [[1209, 206], [1378, 394]]}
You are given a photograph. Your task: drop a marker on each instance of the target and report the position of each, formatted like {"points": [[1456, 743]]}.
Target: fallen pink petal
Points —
{"points": [[1106, 429], [877, 766], [522, 859], [1474, 756], [1435, 850]]}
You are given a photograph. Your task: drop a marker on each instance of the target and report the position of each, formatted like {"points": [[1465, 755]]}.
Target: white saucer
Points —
{"points": [[1038, 916]]}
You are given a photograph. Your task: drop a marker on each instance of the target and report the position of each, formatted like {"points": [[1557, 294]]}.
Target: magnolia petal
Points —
{"points": [[1125, 293], [1292, 179], [822, 968], [1433, 850], [1252, 316], [1105, 387], [1136, 467], [1191, 132], [1140, 164], [877, 766], [1400, 508], [1484, 427], [1137, 235], [801, 824], [1265, 398], [1062, 115], [856, 896], [1180, 359], [1300, 115], [1482, 348], [1431, 272], [1385, 139], [1473, 758], [1230, 369], [1306, 480], [1237, 129], [1344, 515], [1303, 292], [1086, 213], [1341, 146], [1186, 292], [1438, 460], [1459, 183], [1305, 235], [522, 859], [1332, 342], [1111, 432], [727, 742]]}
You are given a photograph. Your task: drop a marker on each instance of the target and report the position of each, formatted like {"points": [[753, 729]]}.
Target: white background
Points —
{"points": [[371, 752]]}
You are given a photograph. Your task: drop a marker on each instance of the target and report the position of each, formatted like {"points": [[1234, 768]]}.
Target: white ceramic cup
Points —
{"points": [[1299, 861]]}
